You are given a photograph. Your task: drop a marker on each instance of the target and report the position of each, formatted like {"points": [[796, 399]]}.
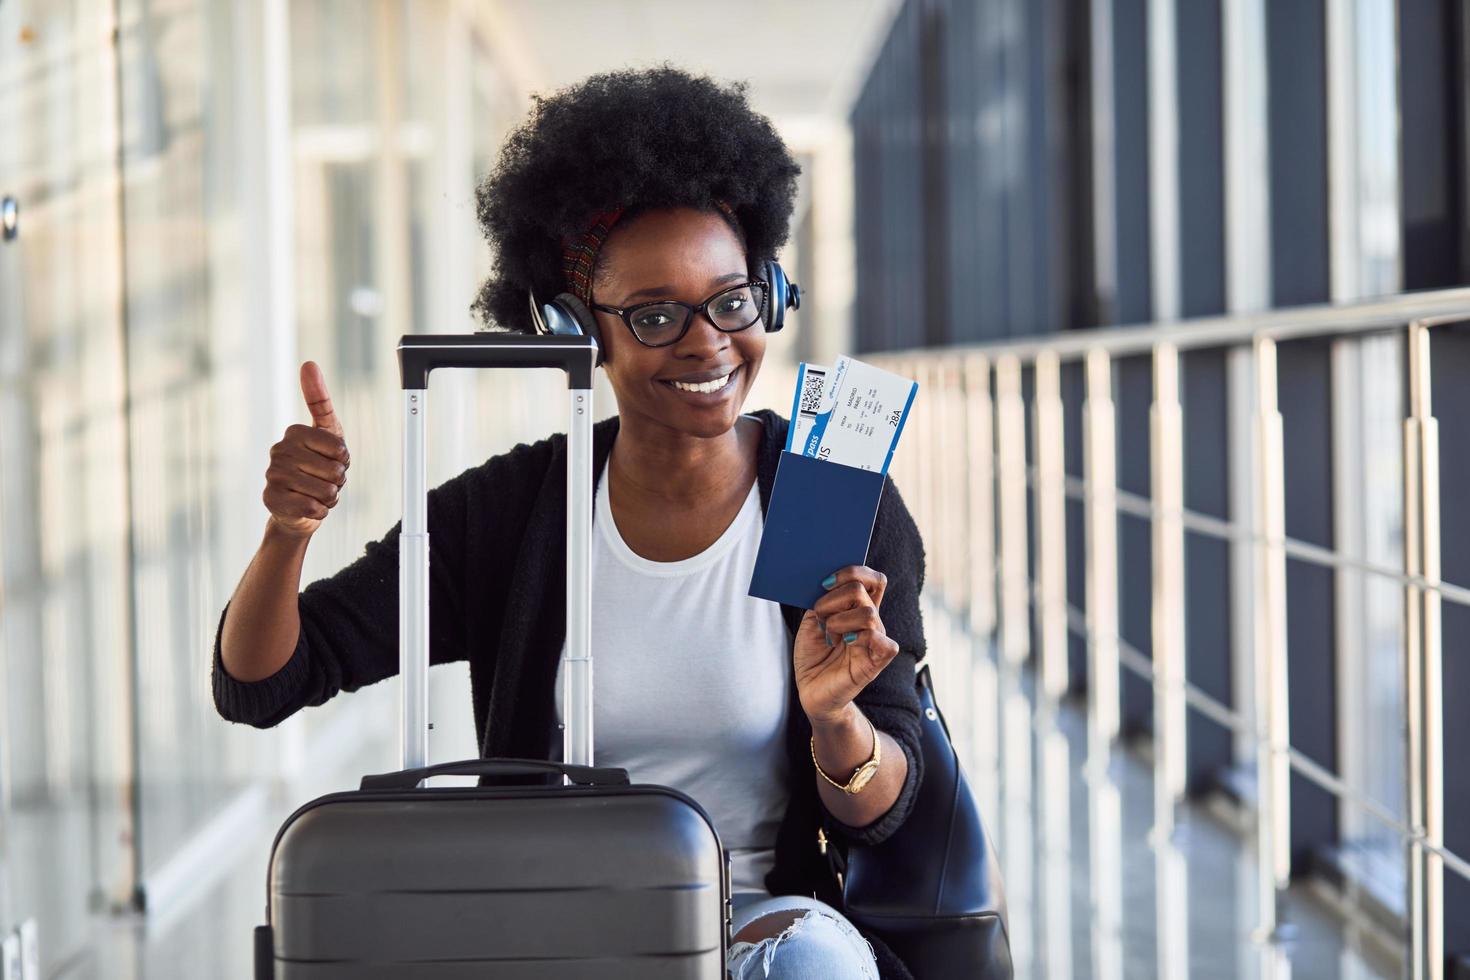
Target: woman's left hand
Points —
{"points": [[828, 677]]}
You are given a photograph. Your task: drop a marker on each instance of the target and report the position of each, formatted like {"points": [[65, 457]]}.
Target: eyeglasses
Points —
{"points": [[664, 322]]}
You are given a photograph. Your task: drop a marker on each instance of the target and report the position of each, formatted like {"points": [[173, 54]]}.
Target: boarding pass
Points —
{"points": [[857, 418]]}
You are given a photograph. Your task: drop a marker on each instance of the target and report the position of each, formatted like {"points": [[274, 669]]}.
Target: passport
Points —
{"points": [[820, 518]]}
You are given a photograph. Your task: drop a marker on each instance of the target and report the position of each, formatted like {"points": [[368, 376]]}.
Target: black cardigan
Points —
{"points": [[497, 598]]}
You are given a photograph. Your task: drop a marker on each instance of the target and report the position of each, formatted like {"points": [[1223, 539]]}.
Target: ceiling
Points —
{"points": [[804, 60]]}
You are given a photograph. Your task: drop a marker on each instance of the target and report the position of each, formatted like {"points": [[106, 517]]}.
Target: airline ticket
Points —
{"points": [[858, 418]]}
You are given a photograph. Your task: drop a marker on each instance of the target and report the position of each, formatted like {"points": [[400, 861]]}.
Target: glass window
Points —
{"points": [[333, 62], [65, 763], [182, 205]]}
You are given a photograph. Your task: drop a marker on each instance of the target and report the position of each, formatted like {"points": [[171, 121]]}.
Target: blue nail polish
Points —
{"points": [[849, 637], [829, 581], [827, 636]]}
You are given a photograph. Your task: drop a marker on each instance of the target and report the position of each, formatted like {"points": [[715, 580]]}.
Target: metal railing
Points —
{"points": [[968, 481]]}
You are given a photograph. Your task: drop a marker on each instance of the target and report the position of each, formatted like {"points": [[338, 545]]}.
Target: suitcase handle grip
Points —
{"points": [[418, 354], [581, 775]]}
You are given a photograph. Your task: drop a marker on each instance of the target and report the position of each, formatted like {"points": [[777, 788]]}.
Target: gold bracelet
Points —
{"points": [[865, 770]]}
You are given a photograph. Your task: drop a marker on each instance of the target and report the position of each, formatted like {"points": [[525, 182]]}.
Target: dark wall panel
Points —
{"points": [[962, 169], [936, 328], [1133, 302], [1450, 366], [991, 267], [1201, 158], [1133, 393], [1306, 410], [864, 230], [889, 216], [1202, 293], [972, 137], [966, 199], [1206, 560], [1073, 393], [1431, 148], [1133, 376], [909, 302], [1296, 69]]}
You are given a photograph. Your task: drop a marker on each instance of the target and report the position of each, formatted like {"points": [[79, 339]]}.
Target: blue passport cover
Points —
{"points": [[820, 519]]}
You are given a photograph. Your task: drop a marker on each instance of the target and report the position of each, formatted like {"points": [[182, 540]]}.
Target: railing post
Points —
{"points": [[1243, 500], [905, 464], [980, 498], [927, 375], [1100, 463], [1019, 805], [1051, 527], [1166, 470], [923, 414], [1273, 774], [949, 396], [1171, 913], [1423, 687], [1010, 438], [1055, 820], [1105, 865]]}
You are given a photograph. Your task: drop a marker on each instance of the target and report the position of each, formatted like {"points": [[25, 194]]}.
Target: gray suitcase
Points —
{"points": [[584, 878]]}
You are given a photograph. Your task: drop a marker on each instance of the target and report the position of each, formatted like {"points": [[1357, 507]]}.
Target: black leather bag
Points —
{"points": [[932, 891]]}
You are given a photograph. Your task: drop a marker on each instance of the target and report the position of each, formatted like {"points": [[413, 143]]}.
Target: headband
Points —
{"points": [[579, 251]]}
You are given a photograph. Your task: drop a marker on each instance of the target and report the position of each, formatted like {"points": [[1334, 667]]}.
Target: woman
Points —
{"points": [[633, 188]]}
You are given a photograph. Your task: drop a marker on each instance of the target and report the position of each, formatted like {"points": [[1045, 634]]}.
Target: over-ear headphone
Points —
{"points": [[568, 315]]}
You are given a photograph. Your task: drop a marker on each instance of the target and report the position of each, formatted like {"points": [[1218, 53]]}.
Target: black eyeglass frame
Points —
{"points": [[626, 314]]}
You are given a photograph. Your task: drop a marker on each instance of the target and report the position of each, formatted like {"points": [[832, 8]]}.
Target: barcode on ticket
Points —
{"points": [[811, 382], [811, 390]]}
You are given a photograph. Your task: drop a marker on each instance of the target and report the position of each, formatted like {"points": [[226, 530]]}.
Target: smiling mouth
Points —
{"points": [[707, 387]]}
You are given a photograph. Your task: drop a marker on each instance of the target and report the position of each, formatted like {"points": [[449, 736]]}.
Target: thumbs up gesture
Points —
{"points": [[309, 465]]}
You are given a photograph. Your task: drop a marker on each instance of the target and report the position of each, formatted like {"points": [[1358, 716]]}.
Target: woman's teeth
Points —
{"points": [[707, 387]]}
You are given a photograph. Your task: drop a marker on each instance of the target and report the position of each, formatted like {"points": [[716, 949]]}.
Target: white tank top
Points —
{"points": [[691, 681]]}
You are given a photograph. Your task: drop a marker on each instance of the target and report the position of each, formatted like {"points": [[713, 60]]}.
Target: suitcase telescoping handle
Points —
{"points": [[419, 354], [581, 775]]}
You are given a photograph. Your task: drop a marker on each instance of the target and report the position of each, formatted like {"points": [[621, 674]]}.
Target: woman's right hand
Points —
{"points": [[309, 465]]}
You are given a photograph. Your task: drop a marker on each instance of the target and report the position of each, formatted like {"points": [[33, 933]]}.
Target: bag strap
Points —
{"points": [[836, 847]]}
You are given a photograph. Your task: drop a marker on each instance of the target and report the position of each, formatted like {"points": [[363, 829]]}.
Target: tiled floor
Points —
{"points": [[1091, 894]]}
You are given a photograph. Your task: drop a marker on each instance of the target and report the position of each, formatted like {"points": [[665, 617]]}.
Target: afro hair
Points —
{"points": [[650, 138]]}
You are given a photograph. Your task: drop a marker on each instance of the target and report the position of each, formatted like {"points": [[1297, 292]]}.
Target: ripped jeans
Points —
{"points": [[821, 945]]}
